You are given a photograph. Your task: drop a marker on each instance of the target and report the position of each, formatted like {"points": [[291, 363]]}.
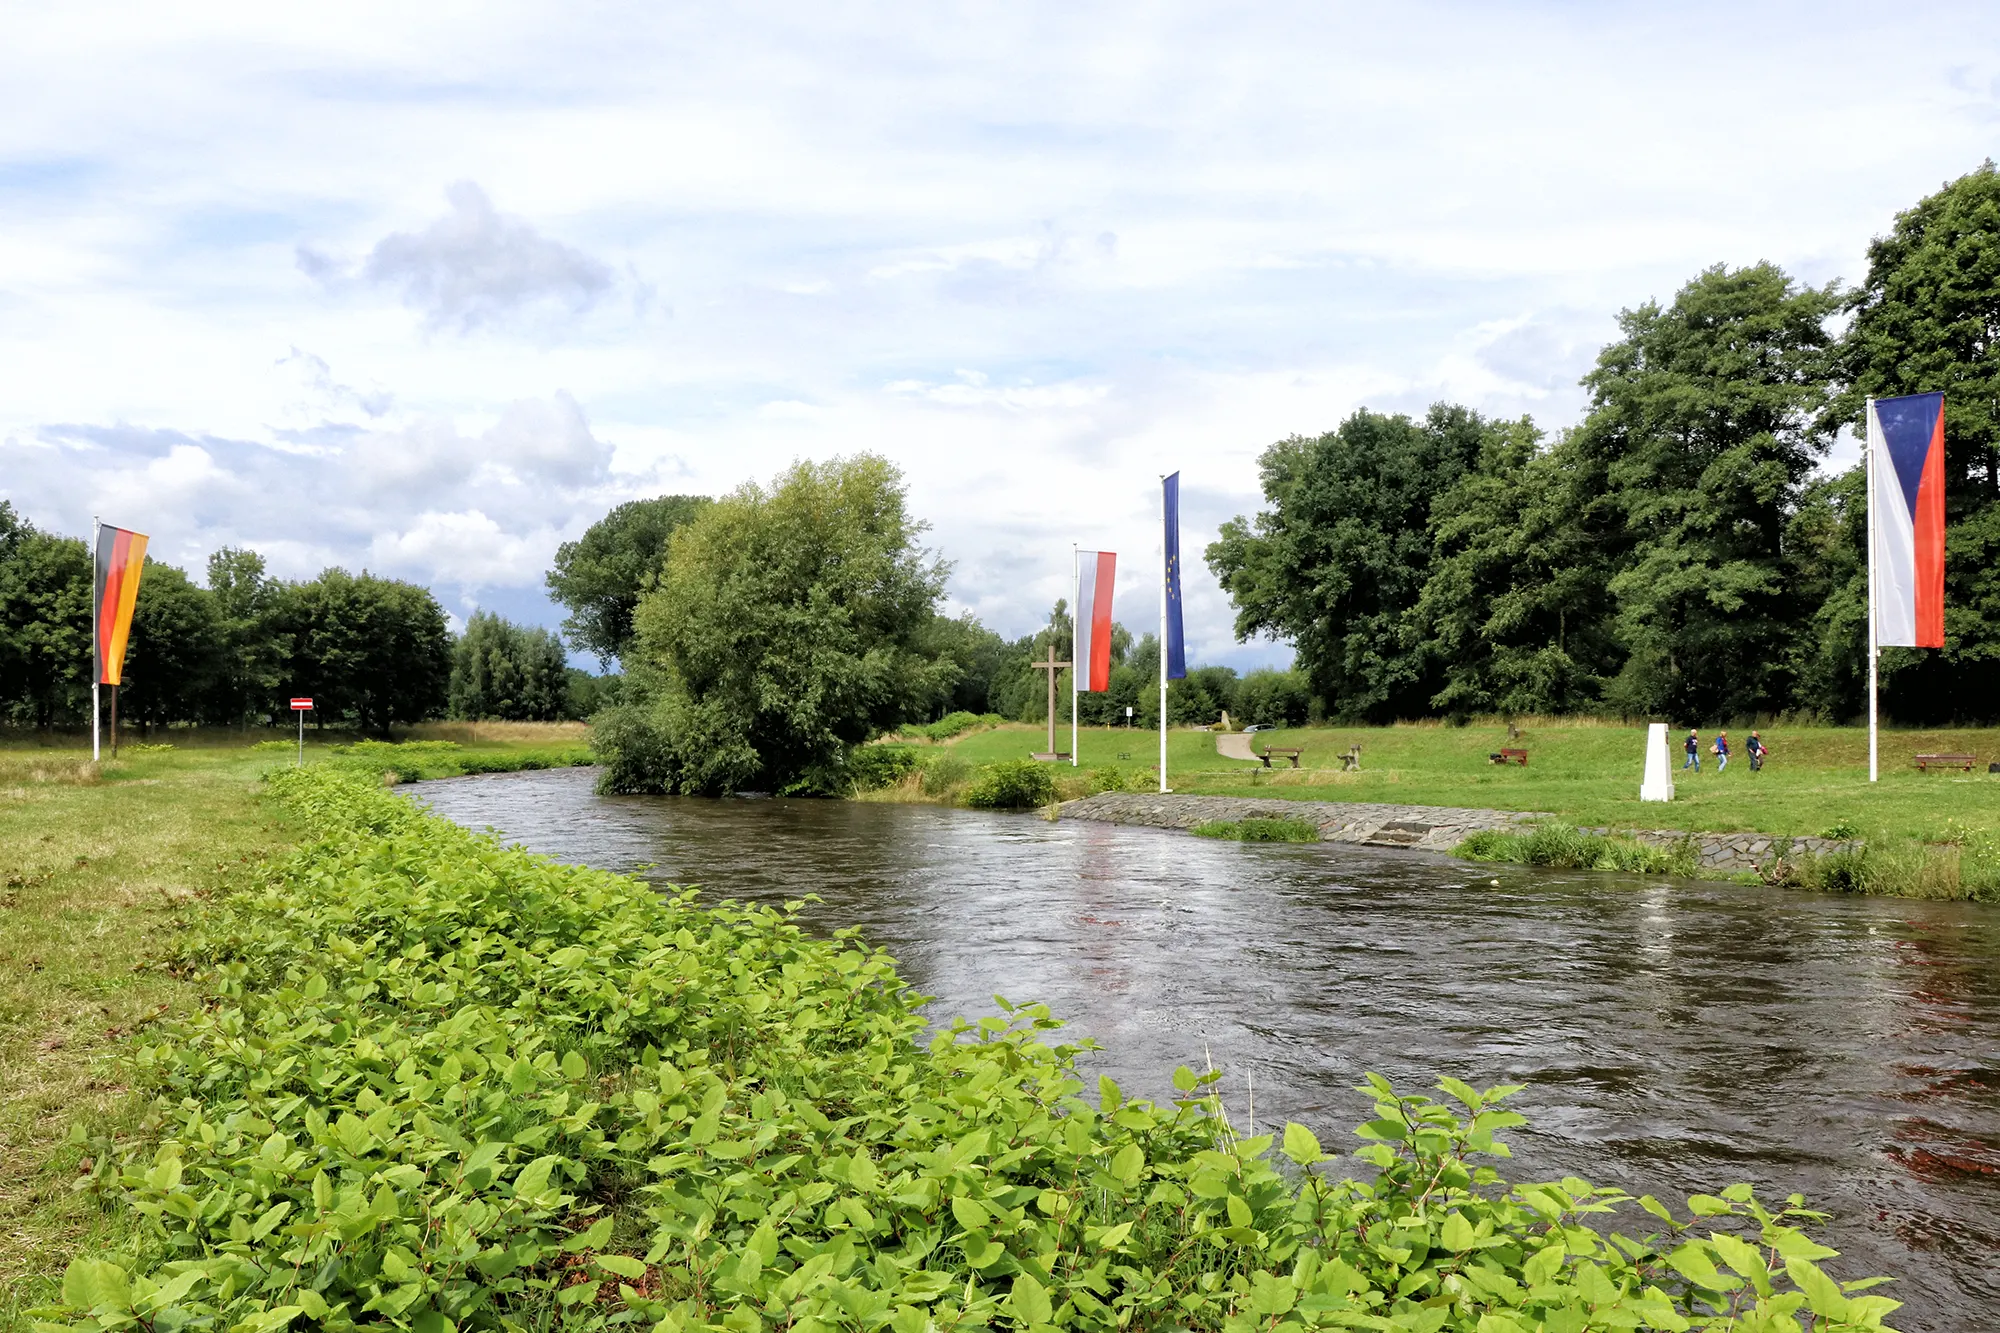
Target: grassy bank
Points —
{"points": [[443, 1084], [1929, 834], [100, 866]]}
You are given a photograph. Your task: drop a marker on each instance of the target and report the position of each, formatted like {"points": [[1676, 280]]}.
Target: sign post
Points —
{"points": [[302, 707]]}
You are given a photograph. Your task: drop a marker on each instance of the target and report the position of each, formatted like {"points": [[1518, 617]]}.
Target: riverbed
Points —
{"points": [[1672, 1035]]}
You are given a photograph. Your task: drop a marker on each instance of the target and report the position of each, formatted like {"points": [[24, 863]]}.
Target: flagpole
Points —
{"points": [[1163, 634], [1075, 658], [96, 526], [1874, 646]]}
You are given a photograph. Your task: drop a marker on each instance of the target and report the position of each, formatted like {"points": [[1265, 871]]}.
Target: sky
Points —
{"points": [[427, 289]]}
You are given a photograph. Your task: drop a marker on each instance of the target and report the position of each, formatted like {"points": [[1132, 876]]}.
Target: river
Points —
{"points": [[1673, 1036]]}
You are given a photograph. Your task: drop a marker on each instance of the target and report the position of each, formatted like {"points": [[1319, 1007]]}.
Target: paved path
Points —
{"points": [[1235, 745]]}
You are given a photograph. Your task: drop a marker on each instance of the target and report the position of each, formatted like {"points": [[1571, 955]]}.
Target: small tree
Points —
{"points": [[508, 672], [787, 625]]}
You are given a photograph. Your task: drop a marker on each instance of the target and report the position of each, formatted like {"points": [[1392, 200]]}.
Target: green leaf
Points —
{"points": [[1302, 1145], [93, 1284], [621, 1264], [1822, 1293], [1128, 1164], [1691, 1261], [969, 1213], [1457, 1233], [591, 1237], [1029, 1302]]}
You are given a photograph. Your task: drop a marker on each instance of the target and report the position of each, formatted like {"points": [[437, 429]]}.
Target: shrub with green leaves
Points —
{"points": [[445, 1084], [870, 767], [1015, 784]]}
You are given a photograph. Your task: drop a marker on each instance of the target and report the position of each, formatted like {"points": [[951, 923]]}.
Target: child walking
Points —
{"points": [[1721, 750], [1693, 759]]}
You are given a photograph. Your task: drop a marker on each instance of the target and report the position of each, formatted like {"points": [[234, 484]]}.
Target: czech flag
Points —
{"points": [[1906, 497], [1095, 574], [121, 558]]}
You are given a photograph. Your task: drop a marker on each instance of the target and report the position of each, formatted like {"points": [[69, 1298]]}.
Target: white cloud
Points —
{"points": [[473, 267], [1037, 254]]}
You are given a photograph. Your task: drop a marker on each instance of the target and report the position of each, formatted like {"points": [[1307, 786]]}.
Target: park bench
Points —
{"points": [[1507, 756], [1351, 761], [1927, 762], [1282, 753]]}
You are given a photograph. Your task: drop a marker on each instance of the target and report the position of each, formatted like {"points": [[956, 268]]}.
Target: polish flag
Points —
{"points": [[1095, 573], [1906, 499]]}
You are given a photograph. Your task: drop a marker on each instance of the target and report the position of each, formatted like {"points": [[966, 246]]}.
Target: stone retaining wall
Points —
{"points": [[1432, 827]]}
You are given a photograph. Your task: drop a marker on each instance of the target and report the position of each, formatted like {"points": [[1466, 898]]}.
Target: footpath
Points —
{"points": [[1429, 827]]}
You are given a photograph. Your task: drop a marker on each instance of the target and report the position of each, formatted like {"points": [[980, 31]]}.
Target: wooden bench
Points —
{"points": [[1509, 757], [1927, 762], [1292, 755], [1351, 761]]}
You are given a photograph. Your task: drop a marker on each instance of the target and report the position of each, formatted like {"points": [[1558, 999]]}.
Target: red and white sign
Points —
{"points": [[302, 705]]}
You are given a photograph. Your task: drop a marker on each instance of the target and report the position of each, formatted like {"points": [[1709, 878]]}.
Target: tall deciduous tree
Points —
{"points": [[1705, 421], [44, 625], [370, 649], [1927, 319], [787, 625], [1338, 560], [248, 676], [176, 649], [601, 575], [514, 673], [1516, 609]]}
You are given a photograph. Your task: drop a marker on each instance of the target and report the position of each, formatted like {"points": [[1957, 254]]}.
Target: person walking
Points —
{"points": [[1721, 750], [1755, 745], [1693, 747]]}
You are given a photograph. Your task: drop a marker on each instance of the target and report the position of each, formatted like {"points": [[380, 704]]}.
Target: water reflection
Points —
{"points": [[1672, 1036]]}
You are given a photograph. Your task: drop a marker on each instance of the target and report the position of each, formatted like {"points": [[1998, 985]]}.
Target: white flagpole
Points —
{"points": [[1874, 648], [96, 525], [1163, 634], [1075, 641]]}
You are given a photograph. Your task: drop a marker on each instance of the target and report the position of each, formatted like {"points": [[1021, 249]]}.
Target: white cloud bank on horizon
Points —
{"points": [[428, 293]]}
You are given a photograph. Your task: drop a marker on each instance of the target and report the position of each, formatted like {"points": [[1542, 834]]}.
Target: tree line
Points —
{"points": [[371, 652], [1679, 552]]}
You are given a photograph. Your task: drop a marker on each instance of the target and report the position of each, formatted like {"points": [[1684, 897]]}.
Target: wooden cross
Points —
{"points": [[1053, 667]]}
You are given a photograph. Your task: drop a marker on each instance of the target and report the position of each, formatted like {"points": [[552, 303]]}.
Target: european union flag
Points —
{"points": [[1176, 641]]}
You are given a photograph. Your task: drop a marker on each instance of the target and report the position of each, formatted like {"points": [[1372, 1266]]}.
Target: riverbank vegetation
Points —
{"points": [[438, 1083]]}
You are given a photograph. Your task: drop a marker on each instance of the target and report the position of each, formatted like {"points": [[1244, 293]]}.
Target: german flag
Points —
{"points": [[121, 558]]}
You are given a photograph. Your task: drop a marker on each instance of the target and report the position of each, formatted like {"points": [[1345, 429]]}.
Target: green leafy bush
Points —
{"points": [[943, 773], [448, 1085], [1106, 779], [950, 725], [870, 767], [1842, 830], [1259, 830], [1016, 784]]}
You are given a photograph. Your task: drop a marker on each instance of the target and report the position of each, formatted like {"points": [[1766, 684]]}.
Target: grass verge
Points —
{"points": [[441, 1084], [1259, 830]]}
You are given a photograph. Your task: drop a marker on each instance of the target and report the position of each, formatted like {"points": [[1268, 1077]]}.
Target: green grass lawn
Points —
{"points": [[1584, 773]]}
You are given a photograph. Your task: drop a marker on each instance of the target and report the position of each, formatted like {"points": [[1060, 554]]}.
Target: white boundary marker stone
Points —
{"points": [[1658, 784]]}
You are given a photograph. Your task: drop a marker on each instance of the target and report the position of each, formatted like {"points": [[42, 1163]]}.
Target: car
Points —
{"points": [[1257, 726]]}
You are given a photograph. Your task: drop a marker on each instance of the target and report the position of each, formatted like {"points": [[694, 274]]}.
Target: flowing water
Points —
{"points": [[1672, 1035]]}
